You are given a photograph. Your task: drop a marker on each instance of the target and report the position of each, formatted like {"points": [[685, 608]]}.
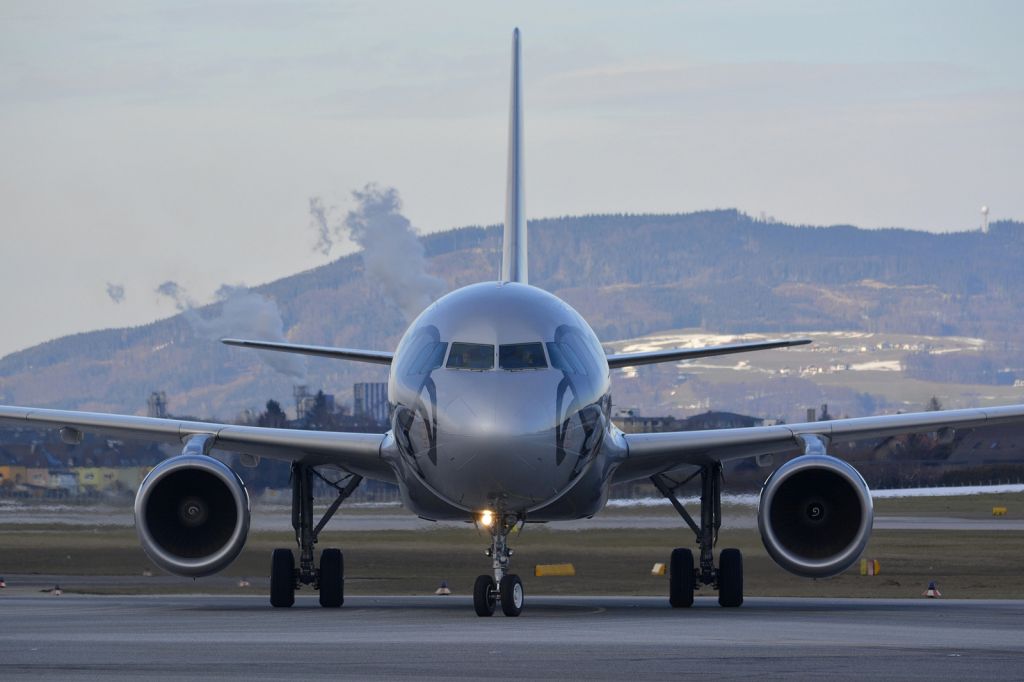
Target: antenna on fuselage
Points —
{"points": [[514, 266]]}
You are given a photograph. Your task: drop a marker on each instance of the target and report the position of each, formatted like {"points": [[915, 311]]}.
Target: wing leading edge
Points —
{"points": [[355, 452], [377, 357], [678, 354], [652, 453]]}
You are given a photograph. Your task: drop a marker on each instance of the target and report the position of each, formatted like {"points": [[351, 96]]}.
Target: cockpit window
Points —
{"points": [[471, 356], [521, 356]]}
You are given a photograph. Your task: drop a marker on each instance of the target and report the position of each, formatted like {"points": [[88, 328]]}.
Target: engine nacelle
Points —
{"points": [[192, 515], [815, 515]]}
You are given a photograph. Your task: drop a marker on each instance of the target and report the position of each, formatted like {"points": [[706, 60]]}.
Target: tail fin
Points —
{"points": [[514, 267]]}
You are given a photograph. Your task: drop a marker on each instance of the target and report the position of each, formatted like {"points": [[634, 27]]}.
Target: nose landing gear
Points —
{"points": [[504, 588]]}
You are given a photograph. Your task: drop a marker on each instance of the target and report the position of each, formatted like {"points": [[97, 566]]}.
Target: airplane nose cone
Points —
{"points": [[497, 404], [496, 437]]}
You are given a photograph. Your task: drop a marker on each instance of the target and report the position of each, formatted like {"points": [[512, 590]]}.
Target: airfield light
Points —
{"points": [[486, 518]]}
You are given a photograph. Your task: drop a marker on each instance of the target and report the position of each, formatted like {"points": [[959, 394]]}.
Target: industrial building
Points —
{"points": [[370, 401]]}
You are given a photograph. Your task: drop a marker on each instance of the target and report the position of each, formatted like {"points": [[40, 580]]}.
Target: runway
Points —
{"points": [[278, 518], [183, 637]]}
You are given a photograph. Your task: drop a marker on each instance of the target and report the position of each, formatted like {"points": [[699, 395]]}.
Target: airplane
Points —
{"points": [[499, 396]]}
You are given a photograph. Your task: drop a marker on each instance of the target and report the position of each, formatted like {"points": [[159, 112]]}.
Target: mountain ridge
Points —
{"points": [[628, 275]]}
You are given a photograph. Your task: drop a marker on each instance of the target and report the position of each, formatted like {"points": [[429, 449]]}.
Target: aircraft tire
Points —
{"points": [[483, 596], [512, 596], [680, 578], [282, 578], [332, 578], [730, 578]]}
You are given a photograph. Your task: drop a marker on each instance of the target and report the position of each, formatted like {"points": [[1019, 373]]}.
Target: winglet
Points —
{"points": [[514, 266]]}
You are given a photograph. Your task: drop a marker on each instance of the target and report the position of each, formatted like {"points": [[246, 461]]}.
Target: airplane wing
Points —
{"points": [[652, 453], [676, 354], [619, 360], [378, 357], [358, 453]]}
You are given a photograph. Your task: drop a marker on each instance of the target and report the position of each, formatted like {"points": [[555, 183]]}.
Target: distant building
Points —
{"points": [[300, 392], [721, 420], [813, 416], [305, 402], [990, 445], [12, 472], [370, 401], [630, 422], [156, 405]]}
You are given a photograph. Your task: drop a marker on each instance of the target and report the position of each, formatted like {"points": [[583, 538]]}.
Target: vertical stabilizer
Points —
{"points": [[513, 257]]}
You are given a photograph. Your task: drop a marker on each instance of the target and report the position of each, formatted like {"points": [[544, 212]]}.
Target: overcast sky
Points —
{"points": [[149, 141]]}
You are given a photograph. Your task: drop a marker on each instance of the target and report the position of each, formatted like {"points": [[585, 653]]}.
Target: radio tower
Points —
{"points": [[984, 219]]}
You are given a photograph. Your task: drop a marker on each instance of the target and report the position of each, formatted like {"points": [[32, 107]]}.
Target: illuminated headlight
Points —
{"points": [[486, 518]]}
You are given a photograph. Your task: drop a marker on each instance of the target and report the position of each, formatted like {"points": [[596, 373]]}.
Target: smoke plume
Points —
{"points": [[177, 294], [392, 251], [242, 314], [115, 292], [249, 315], [319, 222]]}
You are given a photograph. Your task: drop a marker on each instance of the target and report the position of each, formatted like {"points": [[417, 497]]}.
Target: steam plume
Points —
{"points": [[243, 313], [251, 316], [319, 222], [115, 292], [392, 251], [177, 294]]}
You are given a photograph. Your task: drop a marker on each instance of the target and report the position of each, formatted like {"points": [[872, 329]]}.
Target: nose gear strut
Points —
{"points": [[504, 588]]}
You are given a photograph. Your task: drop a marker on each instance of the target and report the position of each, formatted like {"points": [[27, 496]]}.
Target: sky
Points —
{"points": [[144, 142]]}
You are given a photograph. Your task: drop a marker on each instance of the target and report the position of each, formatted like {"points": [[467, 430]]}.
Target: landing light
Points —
{"points": [[486, 518]]}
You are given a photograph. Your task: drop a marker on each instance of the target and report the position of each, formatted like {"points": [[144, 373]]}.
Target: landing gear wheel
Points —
{"points": [[510, 589], [680, 578], [484, 597], [282, 578], [730, 578], [332, 578]]}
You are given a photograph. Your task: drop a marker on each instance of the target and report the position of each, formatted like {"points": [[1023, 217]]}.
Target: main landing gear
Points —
{"points": [[285, 577], [504, 588], [683, 575]]}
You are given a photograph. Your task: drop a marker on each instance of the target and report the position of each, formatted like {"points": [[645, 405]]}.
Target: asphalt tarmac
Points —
{"points": [[185, 637]]}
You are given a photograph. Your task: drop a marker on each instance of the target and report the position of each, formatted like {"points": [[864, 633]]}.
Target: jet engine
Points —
{"points": [[815, 515], [192, 515]]}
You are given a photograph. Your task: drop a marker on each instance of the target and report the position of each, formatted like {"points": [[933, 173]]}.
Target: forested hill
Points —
{"points": [[627, 274]]}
